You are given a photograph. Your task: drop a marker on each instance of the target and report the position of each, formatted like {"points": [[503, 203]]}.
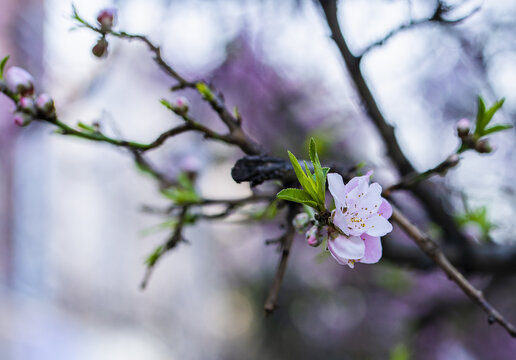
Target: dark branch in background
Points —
{"points": [[486, 259], [437, 17], [434, 252], [257, 169], [405, 168], [286, 243], [423, 192]]}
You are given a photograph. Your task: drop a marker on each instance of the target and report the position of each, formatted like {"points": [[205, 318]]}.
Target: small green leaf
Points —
{"points": [[312, 183], [325, 171], [300, 174], [180, 196], [86, 127], [497, 128], [154, 256], [485, 116], [185, 182], [2, 66], [321, 178], [492, 110], [400, 352], [166, 104], [205, 91], [481, 110], [297, 195], [236, 113]]}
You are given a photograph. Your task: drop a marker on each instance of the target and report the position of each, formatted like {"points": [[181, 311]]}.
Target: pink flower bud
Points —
{"points": [[106, 19], [316, 235], [101, 48], [301, 222], [19, 81], [27, 105], [45, 104], [463, 127], [21, 119], [181, 106]]}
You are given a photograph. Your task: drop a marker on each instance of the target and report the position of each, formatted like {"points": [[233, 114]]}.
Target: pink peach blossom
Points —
{"points": [[360, 218]]}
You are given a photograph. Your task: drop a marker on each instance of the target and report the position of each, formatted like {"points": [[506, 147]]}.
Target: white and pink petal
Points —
{"points": [[377, 225], [373, 249], [385, 209], [345, 248], [337, 188]]}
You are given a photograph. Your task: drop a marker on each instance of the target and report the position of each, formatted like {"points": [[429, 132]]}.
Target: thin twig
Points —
{"points": [[232, 121], [286, 241], [171, 243], [435, 253], [437, 17], [412, 179]]}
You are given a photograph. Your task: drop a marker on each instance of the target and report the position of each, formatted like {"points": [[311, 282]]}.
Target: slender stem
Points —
{"points": [[286, 241], [433, 250], [171, 243], [412, 179]]}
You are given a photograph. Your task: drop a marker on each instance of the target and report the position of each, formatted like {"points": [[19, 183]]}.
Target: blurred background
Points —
{"points": [[74, 238]]}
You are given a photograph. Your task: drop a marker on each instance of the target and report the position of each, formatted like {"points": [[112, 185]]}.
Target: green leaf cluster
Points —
{"points": [[484, 117], [183, 193], [313, 190], [479, 217]]}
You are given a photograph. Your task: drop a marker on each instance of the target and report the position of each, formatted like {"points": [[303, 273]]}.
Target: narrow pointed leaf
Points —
{"points": [[497, 128], [2, 66], [312, 187], [321, 179], [297, 195], [491, 111], [300, 174], [481, 110]]}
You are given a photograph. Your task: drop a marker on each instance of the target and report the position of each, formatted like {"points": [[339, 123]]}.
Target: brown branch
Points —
{"points": [[437, 17], [286, 243], [484, 259], [426, 196], [412, 179], [171, 243], [353, 65], [216, 101], [432, 250]]}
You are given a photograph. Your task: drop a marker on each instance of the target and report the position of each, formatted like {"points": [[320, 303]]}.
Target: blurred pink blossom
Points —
{"points": [[19, 81]]}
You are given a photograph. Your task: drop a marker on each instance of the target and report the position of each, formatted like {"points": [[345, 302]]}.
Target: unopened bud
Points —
{"points": [[19, 81], [21, 119], [27, 105], [181, 106], [106, 19], [101, 48], [483, 146], [45, 104], [301, 222], [316, 235], [463, 127], [453, 160]]}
